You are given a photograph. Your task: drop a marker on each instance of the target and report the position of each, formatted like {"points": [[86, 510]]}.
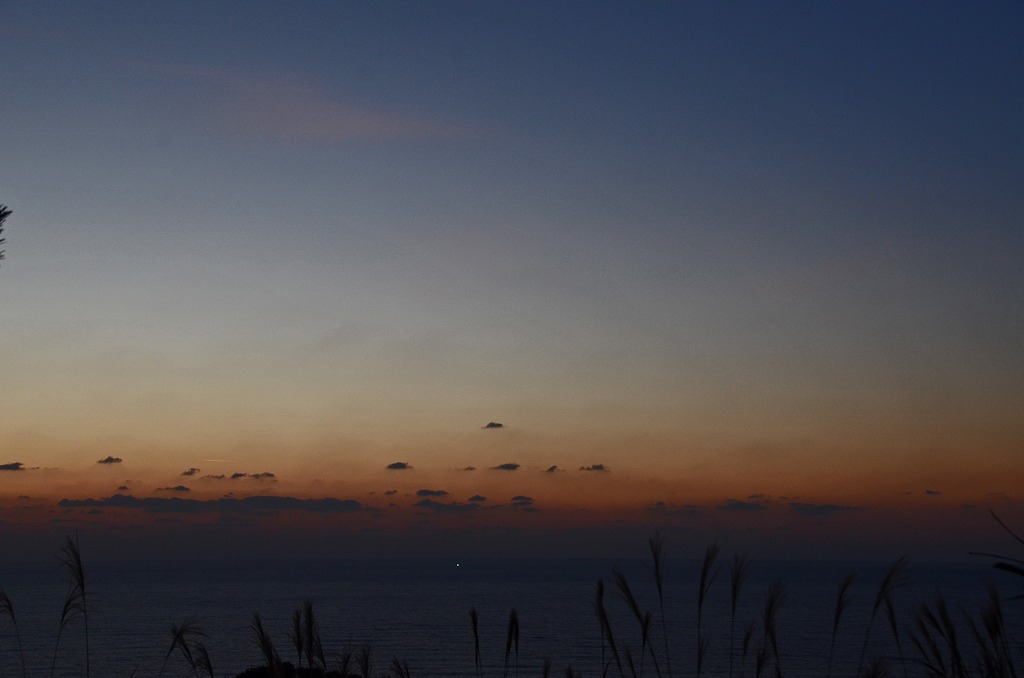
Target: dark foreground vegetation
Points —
{"points": [[936, 641]]}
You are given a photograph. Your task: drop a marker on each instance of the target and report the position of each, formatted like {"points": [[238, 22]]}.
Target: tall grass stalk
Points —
{"points": [[399, 668], [708, 572], [296, 636], [772, 604], [266, 646], [643, 618], [512, 640], [892, 580], [760, 660], [311, 634], [843, 598], [345, 658], [748, 636], [606, 630], [877, 669], [645, 631], [75, 601], [629, 662], [74, 605], [737, 577], [180, 634], [994, 647], [364, 660], [935, 637], [475, 621], [7, 608], [657, 546], [202, 656]]}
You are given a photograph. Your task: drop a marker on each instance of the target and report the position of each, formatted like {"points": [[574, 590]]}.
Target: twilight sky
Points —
{"points": [[726, 270]]}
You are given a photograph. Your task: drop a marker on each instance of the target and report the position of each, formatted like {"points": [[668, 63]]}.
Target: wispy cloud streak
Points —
{"points": [[297, 107]]}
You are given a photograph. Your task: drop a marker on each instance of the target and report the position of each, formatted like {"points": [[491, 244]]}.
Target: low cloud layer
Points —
{"points": [[820, 509], [12, 466], [453, 507], [672, 509], [110, 460], [600, 468], [737, 505], [510, 466], [224, 504], [398, 466], [431, 493]]}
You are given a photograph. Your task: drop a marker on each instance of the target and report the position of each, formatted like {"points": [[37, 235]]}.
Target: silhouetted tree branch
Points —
{"points": [[4, 213]]}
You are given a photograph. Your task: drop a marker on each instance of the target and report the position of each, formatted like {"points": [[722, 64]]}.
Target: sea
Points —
{"points": [[419, 612]]}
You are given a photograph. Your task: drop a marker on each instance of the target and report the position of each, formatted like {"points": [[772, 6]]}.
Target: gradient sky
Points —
{"points": [[743, 271]]}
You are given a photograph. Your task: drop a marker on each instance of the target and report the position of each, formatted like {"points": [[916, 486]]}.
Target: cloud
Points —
{"points": [[282, 110], [478, 498], [176, 488], [122, 488], [509, 466], [262, 503], [253, 476], [551, 469], [13, 466], [493, 424], [600, 468], [431, 493], [454, 507], [820, 509], [190, 472], [670, 508], [110, 460], [737, 505], [388, 493], [219, 476], [933, 492], [522, 500], [469, 468], [398, 466], [295, 107]]}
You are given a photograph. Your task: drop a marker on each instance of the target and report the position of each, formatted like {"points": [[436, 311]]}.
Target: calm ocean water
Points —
{"points": [[419, 611]]}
